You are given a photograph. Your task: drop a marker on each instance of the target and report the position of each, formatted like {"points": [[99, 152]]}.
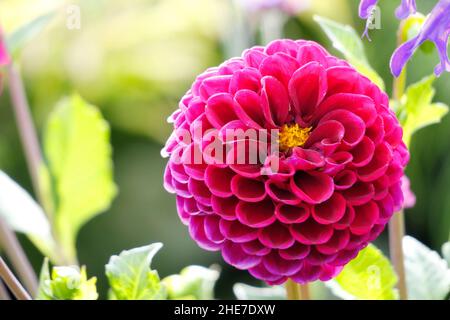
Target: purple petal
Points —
{"points": [[435, 29], [406, 8]]}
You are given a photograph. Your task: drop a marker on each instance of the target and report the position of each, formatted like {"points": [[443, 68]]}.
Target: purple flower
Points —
{"points": [[366, 8], [289, 6], [435, 29], [406, 8]]}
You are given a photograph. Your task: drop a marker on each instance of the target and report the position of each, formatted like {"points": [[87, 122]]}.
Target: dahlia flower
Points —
{"points": [[339, 162]]}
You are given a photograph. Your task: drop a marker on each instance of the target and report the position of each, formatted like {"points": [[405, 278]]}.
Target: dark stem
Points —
{"points": [[9, 242], [13, 284], [397, 223], [4, 294]]}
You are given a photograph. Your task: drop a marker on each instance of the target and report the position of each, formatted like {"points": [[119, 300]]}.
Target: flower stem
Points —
{"points": [[26, 128], [396, 234], [13, 284], [397, 223], [4, 295], [297, 291], [9, 242]]}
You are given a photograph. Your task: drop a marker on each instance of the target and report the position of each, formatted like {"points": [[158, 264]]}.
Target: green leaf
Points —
{"points": [[19, 38], [369, 276], [130, 276], [66, 283], [416, 109], [446, 252], [245, 292], [19, 210], [77, 147], [345, 39], [427, 274], [193, 282]]}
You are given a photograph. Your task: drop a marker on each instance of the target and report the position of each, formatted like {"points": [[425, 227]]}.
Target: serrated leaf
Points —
{"points": [[446, 252], [19, 38], [345, 39], [245, 292], [130, 276], [370, 276], [416, 109], [193, 282], [427, 274], [78, 151], [19, 210], [66, 283]]}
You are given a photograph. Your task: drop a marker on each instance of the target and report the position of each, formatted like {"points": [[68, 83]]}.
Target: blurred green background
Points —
{"points": [[134, 59]]}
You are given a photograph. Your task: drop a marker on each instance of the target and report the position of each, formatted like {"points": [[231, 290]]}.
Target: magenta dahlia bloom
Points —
{"points": [[340, 162]]}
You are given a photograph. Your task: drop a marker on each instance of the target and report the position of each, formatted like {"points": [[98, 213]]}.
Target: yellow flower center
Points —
{"points": [[292, 135]]}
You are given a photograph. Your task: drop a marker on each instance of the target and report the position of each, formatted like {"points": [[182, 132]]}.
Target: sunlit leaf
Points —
{"points": [[19, 210], [78, 151], [369, 276], [416, 109], [66, 283], [130, 276], [18, 39], [245, 292], [427, 274], [193, 282], [345, 39]]}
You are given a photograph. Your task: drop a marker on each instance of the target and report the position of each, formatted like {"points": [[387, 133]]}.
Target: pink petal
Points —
{"points": [[331, 210], [276, 236], [275, 101], [256, 215], [310, 232], [312, 187], [233, 254], [307, 88]]}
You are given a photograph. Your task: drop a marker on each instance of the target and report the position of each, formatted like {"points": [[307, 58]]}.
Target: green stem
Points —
{"points": [[295, 291], [9, 242], [13, 284], [32, 149], [397, 223]]}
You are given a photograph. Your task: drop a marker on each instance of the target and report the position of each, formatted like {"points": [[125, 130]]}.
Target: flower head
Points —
{"points": [[435, 29], [366, 9], [288, 6], [340, 161], [406, 8], [408, 194], [4, 56]]}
